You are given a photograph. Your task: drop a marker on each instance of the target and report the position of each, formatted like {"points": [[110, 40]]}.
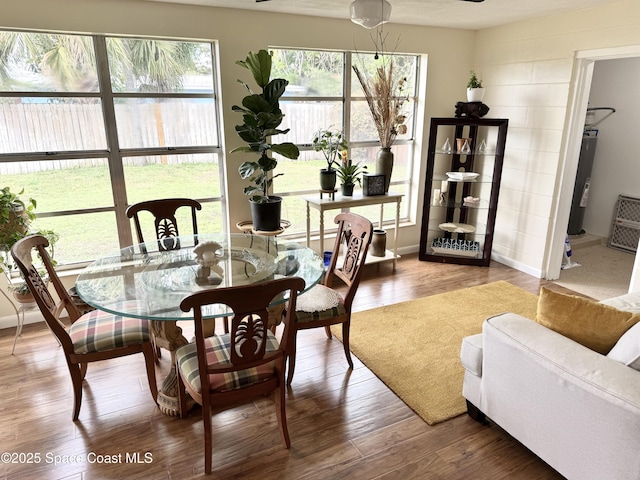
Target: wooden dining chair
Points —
{"points": [[166, 227], [322, 306], [164, 216], [245, 363], [91, 337]]}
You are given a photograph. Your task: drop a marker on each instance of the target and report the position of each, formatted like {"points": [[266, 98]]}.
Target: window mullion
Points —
{"points": [[116, 169], [346, 102]]}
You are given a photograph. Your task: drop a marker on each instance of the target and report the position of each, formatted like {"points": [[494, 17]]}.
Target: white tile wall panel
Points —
{"points": [[532, 161], [553, 71], [532, 182], [546, 117], [516, 115], [518, 221], [525, 202], [533, 247]]}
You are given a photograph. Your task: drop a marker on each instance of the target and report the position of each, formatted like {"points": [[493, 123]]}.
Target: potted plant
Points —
{"points": [[475, 90], [331, 143], [261, 117], [349, 174], [16, 216]]}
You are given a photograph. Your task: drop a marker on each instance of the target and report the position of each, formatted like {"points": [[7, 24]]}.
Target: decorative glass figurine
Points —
{"points": [[466, 148], [482, 148], [446, 148]]}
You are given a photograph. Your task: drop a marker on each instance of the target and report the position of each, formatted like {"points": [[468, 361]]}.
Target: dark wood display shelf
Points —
{"points": [[487, 137]]}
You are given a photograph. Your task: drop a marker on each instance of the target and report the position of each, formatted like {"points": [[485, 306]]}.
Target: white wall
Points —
{"points": [[529, 72], [616, 167]]}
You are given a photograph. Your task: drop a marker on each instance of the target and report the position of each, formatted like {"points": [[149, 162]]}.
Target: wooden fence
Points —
{"points": [[56, 127]]}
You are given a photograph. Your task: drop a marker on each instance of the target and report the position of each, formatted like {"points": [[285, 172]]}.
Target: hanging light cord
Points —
{"points": [[380, 38]]}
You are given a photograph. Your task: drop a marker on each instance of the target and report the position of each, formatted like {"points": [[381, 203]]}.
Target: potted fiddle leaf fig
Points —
{"points": [[261, 117], [331, 143]]}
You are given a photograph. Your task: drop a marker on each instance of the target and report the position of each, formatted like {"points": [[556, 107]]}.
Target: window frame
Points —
{"points": [[113, 154], [347, 100]]}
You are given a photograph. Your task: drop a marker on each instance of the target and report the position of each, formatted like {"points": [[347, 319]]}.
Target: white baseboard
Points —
{"points": [[30, 316], [408, 250], [536, 272]]}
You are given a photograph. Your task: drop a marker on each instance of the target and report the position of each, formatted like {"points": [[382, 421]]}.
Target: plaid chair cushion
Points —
{"points": [[303, 317], [98, 331], [218, 348]]}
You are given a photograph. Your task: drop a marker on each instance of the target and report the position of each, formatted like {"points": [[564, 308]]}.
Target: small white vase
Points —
{"points": [[475, 94]]}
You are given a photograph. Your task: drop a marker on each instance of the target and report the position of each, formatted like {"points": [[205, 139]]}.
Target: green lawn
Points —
{"points": [[87, 236]]}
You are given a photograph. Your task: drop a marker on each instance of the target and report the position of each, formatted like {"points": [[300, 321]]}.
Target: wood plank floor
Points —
{"points": [[343, 424]]}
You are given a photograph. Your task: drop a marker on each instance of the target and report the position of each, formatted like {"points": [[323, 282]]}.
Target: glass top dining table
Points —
{"points": [[144, 281]]}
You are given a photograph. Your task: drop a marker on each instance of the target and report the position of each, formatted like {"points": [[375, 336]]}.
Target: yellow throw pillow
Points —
{"points": [[592, 324]]}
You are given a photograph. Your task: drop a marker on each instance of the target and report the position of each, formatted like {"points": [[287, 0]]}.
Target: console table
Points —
{"points": [[357, 200]]}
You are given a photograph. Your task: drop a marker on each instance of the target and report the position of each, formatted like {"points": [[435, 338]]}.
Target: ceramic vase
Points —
{"points": [[475, 94], [378, 242], [384, 165]]}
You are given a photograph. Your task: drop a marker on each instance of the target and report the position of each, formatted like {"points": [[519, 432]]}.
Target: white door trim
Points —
{"points": [[570, 150]]}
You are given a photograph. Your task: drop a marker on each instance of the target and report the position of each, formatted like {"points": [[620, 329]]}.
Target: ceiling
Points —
{"points": [[439, 13]]}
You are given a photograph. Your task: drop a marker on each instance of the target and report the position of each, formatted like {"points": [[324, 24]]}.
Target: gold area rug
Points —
{"points": [[414, 346]]}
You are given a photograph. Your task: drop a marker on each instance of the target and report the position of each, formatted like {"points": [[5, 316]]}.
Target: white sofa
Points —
{"points": [[576, 409]]}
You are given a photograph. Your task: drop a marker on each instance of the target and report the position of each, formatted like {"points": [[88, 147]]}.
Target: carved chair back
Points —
{"points": [[165, 223], [247, 362], [353, 238], [52, 311]]}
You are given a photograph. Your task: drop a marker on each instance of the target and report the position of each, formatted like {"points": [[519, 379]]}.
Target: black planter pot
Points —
{"points": [[327, 179], [347, 190], [266, 216]]}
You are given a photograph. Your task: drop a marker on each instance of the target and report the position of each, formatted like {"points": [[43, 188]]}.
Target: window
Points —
{"points": [[324, 93], [91, 124]]}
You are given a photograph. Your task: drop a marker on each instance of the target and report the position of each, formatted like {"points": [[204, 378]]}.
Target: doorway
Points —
{"points": [[581, 92]]}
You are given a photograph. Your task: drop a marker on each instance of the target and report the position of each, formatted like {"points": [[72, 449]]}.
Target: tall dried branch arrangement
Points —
{"points": [[385, 99]]}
